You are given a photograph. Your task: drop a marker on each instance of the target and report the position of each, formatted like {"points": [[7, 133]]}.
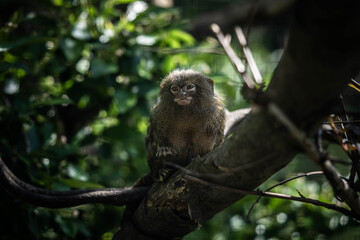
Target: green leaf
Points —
{"points": [[107, 236], [52, 102], [123, 1], [76, 173], [147, 40], [101, 68], [183, 36], [73, 183], [80, 30], [67, 226], [6, 46], [71, 48], [124, 100], [33, 139], [62, 151]]}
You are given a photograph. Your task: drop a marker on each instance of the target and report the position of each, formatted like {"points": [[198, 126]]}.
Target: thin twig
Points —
{"points": [[282, 183], [355, 83], [275, 195], [340, 122], [300, 194], [235, 60], [339, 161], [248, 55]]}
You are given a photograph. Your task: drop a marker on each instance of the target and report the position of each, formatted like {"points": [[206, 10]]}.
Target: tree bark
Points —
{"points": [[321, 56], [242, 12]]}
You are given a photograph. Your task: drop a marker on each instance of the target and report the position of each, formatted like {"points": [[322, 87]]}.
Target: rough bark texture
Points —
{"points": [[321, 56], [242, 12]]}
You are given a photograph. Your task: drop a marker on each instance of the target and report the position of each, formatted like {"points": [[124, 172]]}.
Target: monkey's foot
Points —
{"points": [[163, 174], [165, 151]]}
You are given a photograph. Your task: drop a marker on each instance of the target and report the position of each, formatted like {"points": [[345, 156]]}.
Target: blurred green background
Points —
{"points": [[77, 81]]}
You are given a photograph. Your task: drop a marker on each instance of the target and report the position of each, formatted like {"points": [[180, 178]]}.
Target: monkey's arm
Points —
{"points": [[220, 125], [158, 148]]}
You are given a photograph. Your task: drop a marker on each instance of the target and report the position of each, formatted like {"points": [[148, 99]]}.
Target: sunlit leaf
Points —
{"points": [[183, 36], [354, 87], [80, 30], [123, 1], [71, 48], [77, 173], [146, 40]]}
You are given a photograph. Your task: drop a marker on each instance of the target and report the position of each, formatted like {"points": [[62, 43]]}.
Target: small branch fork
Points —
{"points": [[341, 188]]}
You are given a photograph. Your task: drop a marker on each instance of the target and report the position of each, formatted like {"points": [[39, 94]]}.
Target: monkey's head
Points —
{"points": [[186, 88]]}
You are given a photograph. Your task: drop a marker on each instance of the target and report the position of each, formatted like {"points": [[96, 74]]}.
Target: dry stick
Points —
{"points": [[275, 195], [340, 187], [248, 55], [355, 83], [235, 60], [340, 161], [281, 183]]}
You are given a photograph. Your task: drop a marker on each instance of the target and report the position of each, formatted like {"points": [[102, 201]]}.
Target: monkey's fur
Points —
{"points": [[188, 121]]}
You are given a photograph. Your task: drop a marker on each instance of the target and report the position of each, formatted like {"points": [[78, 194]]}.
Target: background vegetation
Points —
{"points": [[77, 80]]}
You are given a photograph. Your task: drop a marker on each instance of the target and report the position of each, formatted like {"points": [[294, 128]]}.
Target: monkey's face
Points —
{"points": [[183, 95]]}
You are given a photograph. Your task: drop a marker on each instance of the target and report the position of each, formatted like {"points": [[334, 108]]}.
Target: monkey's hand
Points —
{"points": [[165, 151]]}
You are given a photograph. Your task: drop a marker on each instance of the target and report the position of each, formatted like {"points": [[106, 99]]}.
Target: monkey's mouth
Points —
{"points": [[183, 101]]}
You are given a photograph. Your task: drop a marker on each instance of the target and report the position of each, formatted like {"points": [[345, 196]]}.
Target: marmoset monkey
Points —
{"points": [[188, 121]]}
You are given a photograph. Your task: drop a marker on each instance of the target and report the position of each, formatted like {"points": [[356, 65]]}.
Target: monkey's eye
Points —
{"points": [[190, 86], [174, 88]]}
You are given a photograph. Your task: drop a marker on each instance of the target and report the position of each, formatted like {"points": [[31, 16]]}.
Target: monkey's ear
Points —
{"points": [[211, 83]]}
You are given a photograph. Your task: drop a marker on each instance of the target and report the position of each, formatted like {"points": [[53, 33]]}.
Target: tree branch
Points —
{"points": [[239, 13], [62, 199], [277, 195], [281, 183]]}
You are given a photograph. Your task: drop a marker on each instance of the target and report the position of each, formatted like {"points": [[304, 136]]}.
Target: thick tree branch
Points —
{"points": [[321, 56], [240, 13], [62, 199]]}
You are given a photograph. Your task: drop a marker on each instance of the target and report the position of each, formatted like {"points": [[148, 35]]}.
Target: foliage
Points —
{"points": [[76, 87], [77, 80]]}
